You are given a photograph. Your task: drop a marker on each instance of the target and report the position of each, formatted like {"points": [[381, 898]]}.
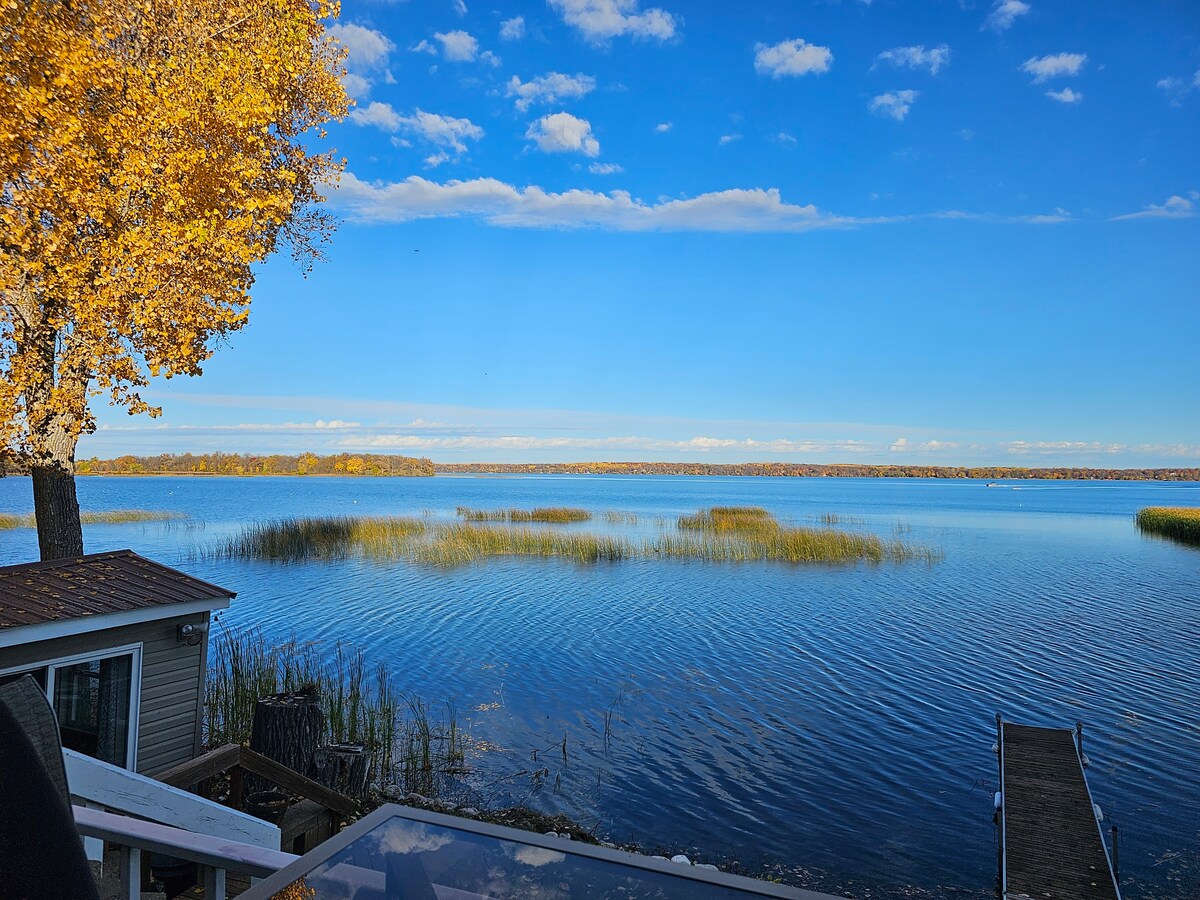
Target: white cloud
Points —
{"points": [[728, 139], [893, 104], [794, 57], [532, 207], [366, 48], [564, 133], [366, 56], [460, 7], [425, 47], [663, 127], [605, 169], [512, 29], [1177, 89], [784, 138], [549, 88], [436, 159], [601, 20], [904, 445], [1174, 207], [916, 57], [1004, 13], [1043, 68], [457, 46], [1066, 95], [443, 131], [487, 56]]}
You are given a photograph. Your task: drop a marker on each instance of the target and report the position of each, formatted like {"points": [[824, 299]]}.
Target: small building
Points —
{"points": [[119, 643]]}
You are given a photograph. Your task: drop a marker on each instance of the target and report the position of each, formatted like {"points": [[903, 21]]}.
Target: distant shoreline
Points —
{"points": [[389, 466]]}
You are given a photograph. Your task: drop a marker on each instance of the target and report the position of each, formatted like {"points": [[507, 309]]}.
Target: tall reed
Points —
{"points": [[1181, 523], [243, 667]]}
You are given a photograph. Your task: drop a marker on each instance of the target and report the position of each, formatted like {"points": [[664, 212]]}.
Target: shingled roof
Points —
{"points": [[100, 584]]}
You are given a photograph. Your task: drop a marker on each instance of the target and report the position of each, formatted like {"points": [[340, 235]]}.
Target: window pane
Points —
{"points": [[91, 700], [39, 675]]}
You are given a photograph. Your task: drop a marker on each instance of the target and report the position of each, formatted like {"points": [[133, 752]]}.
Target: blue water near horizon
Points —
{"points": [[835, 722]]}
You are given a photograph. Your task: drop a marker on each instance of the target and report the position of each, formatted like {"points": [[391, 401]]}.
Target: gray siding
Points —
{"points": [[172, 687]]}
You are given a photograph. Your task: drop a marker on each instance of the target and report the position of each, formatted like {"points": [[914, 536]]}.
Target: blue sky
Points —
{"points": [[897, 231]]}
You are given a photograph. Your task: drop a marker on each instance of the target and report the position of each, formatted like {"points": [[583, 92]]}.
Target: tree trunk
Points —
{"points": [[56, 508], [342, 768], [287, 727]]}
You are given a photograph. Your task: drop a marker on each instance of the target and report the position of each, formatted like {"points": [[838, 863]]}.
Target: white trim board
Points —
{"points": [[20, 635]]}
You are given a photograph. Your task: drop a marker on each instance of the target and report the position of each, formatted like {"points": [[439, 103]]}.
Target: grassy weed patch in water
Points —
{"points": [[1179, 523], [554, 514], [716, 534], [107, 517]]}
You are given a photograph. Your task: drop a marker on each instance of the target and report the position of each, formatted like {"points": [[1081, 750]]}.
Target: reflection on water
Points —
{"points": [[832, 719]]}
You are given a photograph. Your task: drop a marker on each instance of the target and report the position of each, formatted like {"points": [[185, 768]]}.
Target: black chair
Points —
{"points": [[41, 854]]}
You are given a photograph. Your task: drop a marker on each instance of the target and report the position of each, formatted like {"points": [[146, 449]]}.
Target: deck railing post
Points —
{"points": [[131, 873]]}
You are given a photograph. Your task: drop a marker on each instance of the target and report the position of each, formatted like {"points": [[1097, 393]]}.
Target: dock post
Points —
{"points": [[998, 814], [1116, 858], [1079, 745]]}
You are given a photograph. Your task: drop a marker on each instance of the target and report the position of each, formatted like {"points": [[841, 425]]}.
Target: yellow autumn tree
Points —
{"points": [[151, 152]]}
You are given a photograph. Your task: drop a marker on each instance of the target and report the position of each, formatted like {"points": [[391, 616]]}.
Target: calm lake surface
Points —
{"points": [[834, 721]]}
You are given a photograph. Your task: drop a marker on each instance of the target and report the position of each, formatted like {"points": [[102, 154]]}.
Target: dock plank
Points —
{"points": [[1053, 846]]}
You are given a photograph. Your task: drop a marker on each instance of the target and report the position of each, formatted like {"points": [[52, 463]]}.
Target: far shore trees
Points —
{"points": [[150, 154]]}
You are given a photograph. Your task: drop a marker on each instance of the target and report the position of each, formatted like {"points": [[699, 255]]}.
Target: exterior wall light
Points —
{"points": [[189, 634]]}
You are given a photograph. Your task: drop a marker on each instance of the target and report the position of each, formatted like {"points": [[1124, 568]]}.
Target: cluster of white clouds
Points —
{"points": [[563, 133], [1177, 88], [792, 58], [552, 87], [512, 29], [916, 57], [367, 53], [445, 132], [458, 47], [601, 20], [894, 104], [505, 205], [1174, 207], [1004, 13]]}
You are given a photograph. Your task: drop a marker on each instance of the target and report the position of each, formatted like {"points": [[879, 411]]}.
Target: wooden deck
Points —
{"points": [[1051, 844]]}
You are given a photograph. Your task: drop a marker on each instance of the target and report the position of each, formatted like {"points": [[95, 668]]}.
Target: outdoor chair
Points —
{"points": [[41, 854]]}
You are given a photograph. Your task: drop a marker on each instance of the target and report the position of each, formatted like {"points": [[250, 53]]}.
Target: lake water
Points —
{"points": [[834, 721]]}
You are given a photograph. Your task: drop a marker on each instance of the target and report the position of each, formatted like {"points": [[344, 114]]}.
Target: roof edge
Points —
{"points": [[111, 554], [20, 635]]}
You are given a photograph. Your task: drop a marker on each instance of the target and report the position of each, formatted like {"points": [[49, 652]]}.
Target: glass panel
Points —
{"points": [[39, 675], [409, 860], [91, 700]]}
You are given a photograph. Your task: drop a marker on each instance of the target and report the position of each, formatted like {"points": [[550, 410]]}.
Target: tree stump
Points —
{"points": [[287, 728], [342, 768]]}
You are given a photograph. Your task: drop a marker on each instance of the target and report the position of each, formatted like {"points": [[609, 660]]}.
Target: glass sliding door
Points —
{"points": [[95, 698], [93, 704]]}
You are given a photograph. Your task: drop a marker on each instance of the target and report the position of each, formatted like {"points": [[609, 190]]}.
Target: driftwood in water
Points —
{"points": [[287, 728], [343, 768]]}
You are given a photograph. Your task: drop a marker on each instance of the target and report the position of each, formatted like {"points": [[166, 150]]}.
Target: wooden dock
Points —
{"points": [[1051, 845]]}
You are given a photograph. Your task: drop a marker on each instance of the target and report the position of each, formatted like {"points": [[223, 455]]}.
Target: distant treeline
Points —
{"points": [[248, 464], [811, 470]]}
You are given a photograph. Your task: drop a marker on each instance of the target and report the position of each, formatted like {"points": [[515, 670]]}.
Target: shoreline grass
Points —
{"points": [[717, 534], [105, 517], [406, 743], [1179, 523]]}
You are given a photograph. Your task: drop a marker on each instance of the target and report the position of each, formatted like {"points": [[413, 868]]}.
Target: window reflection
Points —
{"points": [[91, 700]]}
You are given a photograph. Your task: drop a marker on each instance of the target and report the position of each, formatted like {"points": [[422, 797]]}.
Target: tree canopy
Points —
{"points": [[151, 153]]}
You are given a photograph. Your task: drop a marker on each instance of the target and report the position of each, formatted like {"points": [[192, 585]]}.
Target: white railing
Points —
{"points": [[100, 785], [216, 856]]}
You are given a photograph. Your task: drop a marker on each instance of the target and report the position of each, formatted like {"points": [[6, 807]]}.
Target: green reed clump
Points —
{"points": [[321, 538], [616, 517], [1180, 523], [555, 514], [830, 519], [728, 518], [751, 533], [106, 517], [456, 544], [360, 705]]}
